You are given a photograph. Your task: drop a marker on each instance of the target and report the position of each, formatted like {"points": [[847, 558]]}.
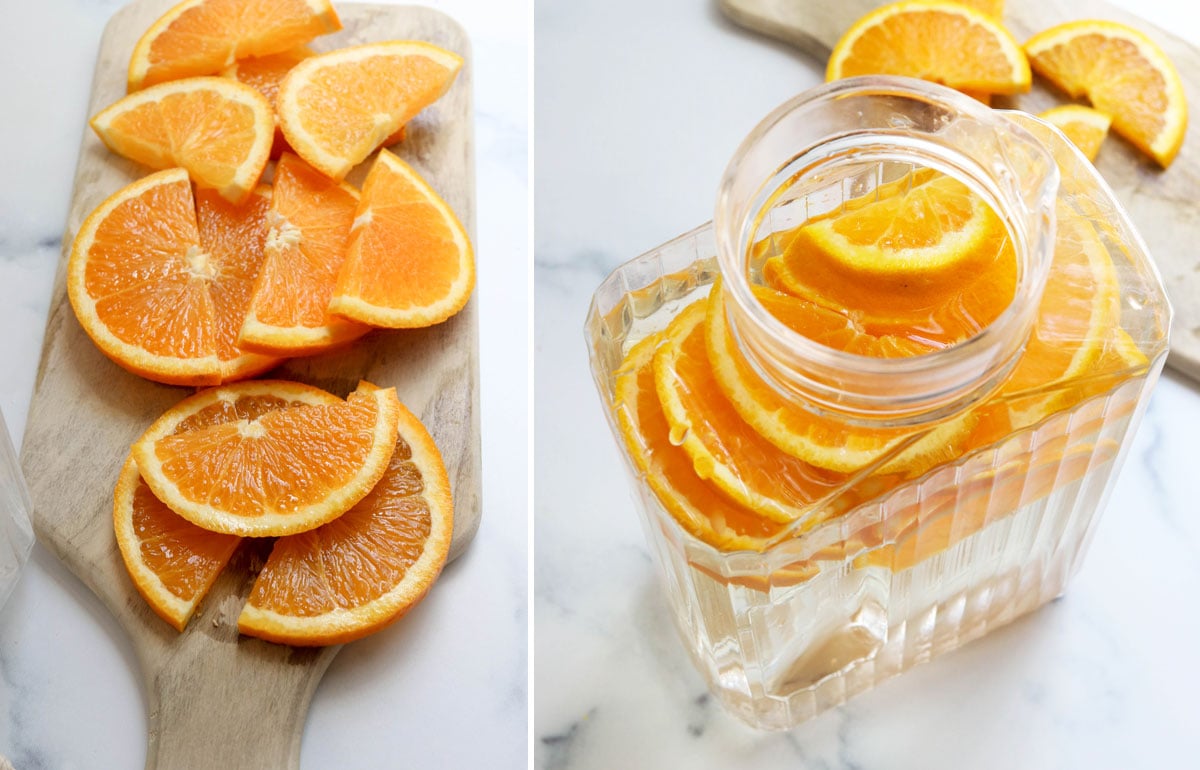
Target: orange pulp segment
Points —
{"points": [[938, 40], [218, 129], [1084, 126], [362, 571], [202, 37], [310, 220], [409, 262], [1123, 73], [286, 471]]}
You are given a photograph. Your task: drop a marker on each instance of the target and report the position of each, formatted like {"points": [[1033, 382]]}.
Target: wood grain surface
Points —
{"points": [[1162, 204], [215, 699]]}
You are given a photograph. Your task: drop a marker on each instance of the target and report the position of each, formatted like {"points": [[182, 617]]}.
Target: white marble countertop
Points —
{"points": [[1104, 678], [444, 688]]}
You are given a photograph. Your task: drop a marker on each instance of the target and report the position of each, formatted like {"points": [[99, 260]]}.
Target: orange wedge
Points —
{"points": [[993, 8], [202, 37], [355, 575], [945, 42], [287, 471], [1085, 127], [310, 221], [159, 292], [172, 562], [337, 108], [1123, 73], [409, 263], [722, 447]]}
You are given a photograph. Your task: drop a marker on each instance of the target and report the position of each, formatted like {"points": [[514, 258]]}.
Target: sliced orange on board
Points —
{"points": [[1124, 74], [172, 562], [1084, 126], [938, 40], [409, 262], [202, 37], [362, 571], [286, 471], [310, 220], [147, 283], [337, 108], [218, 129]]}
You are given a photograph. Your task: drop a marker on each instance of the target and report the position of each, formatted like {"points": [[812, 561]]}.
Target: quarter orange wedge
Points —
{"points": [[310, 221], [409, 262], [289, 470], [159, 291], [355, 575], [938, 40], [218, 129], [337, 108], [172, 562], [1123, 73], [202, 37]]}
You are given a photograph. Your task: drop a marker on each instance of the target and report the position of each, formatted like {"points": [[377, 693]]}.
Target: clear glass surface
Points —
{"points": [[16, 534]]}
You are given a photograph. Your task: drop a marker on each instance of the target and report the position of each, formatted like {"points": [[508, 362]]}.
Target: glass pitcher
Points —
{"points": [[824, 519]]}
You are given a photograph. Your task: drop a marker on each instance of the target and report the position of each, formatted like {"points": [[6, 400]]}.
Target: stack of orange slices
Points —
{"points": [[286, 269], [355, 492]]}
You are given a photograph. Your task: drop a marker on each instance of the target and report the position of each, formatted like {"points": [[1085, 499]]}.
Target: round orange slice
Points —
{"points": [[942, 41], [355, 575], [159, 280], [698, 505], [172, 562], [337, 108], [287, 471], [1123, 73], [409, 262], [218, 129], [723, 447], [202, 37], [1084, 126], [310, 220]]}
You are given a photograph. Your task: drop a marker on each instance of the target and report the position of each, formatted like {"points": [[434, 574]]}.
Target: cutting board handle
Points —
{"points": [[238, 711], [812, 27]]}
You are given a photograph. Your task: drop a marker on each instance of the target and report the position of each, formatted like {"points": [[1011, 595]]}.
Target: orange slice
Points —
{"points": [[824, 442], [287, 471], [409, 263], [993, 8], [159, 292], [722, 447], [1123, 74], [946, 42], [337, 108], [933, 262], [201, 37], [353, 576], [172, 562], [310, 221], [1085, 127], [218, 129], [698, 505]]}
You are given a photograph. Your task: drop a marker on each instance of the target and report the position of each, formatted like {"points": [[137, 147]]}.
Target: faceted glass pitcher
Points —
{"points": [[823, 518], [16, 535]]}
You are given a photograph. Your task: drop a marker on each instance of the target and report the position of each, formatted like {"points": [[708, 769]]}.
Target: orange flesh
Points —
{"points": [[272, 460], [212, 34], [310, 216], [406, 256], [357, 557]]}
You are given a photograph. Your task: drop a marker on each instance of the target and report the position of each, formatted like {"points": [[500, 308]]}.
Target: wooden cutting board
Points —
{"points": [[1164, 205], [217, 700]]}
